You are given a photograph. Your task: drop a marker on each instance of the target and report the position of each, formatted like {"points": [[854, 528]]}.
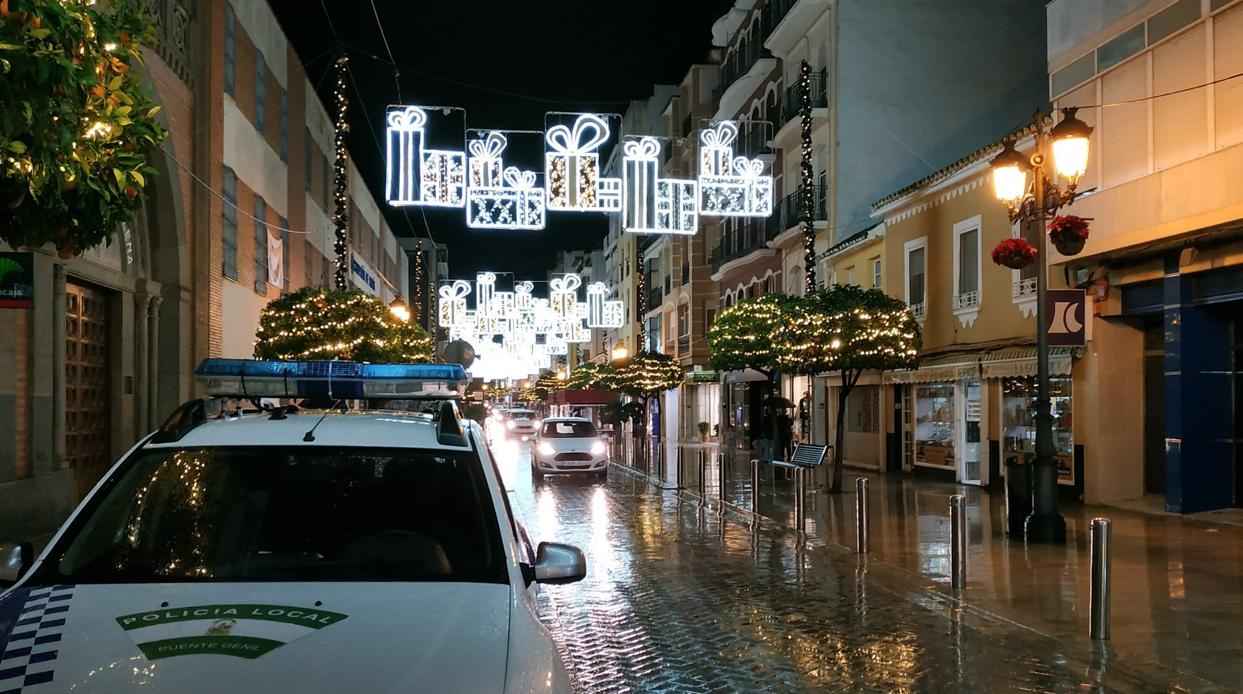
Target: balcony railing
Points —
{"points": [[792, 207], [792, 101], [754, 138], [738, 64], [917, 311], [654, 297], [774, 11], [748, 236], [1023, 289], [966, 301]]}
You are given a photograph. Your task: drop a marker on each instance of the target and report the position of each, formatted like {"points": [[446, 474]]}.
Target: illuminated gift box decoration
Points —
{"points": [[453, 303], [654, 204], [563, 294], [729, 185], [416, 175], [572, 168], [485, 160]]}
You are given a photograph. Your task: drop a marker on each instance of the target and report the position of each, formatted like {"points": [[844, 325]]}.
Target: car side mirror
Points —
{"points": [[557, 563], [15, 559]]}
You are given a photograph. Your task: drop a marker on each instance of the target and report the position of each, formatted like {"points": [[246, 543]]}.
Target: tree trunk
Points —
{"points": [[839, 436]]}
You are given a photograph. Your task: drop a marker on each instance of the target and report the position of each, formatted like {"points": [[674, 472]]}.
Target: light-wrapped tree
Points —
{"points": [[76, 124], [747, 334], [847, 330], [315, 323]]}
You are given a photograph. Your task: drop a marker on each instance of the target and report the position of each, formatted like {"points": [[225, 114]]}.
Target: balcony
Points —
{"points": [[792, 101], [738, 64], [967, 301], [917, 311], [655, 296], [774, 11], [792, 207], [748, 236], [753, 138]]}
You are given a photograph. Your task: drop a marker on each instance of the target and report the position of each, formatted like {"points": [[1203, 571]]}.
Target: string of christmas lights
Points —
{"points": [[340, 176], [807, 194], [315, 323]]}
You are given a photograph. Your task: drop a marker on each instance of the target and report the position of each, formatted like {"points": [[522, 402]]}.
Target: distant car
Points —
{"points": [[522, 423], [569, 445], [308, 550]]}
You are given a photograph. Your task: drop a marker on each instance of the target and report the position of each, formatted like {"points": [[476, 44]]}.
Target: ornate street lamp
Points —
{"points": [[1032, 204], [620, 352], [399, 310]]}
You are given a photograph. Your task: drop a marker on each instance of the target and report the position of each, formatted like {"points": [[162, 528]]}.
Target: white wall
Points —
{"points": [[256, 163], [266, 33], [240, 308]]}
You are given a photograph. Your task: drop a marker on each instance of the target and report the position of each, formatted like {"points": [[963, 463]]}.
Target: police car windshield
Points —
{"points": [[274, 514]]}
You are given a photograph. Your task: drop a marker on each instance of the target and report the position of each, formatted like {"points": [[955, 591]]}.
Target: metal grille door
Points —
{"points": [[87, 425]]}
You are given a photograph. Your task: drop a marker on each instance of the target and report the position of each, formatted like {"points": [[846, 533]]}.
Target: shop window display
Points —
{"points": [[934, 425], [1019, 426]]}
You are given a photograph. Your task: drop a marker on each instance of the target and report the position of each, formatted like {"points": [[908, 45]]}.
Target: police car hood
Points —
{"points": [[255, 637]]}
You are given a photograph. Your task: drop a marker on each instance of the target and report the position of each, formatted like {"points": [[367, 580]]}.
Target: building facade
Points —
{"points": [[1164, 262], [238, 214]]}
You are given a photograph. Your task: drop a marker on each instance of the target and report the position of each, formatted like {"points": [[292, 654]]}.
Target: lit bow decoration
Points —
{"points": [[643, 148], [408, 119], [589, 133]]}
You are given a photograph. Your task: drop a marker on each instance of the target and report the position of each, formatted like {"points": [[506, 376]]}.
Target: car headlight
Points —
{"points": [[536, 423], [545, 448], [510, 424], [597, 448]]}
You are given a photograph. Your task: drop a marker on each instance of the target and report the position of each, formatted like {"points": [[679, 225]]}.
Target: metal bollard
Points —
{"points": [[861, 515], [722, 482], [755, 486], [1098, 627], [800, 500], [703, 477], [958, 541]]}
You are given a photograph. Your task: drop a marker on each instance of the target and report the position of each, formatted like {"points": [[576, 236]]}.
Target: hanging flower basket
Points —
{"points": [[1068, 233], [1015, 254]]}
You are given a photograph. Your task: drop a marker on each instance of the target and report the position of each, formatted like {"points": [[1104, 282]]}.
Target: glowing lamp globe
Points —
{"points": [[1070, 139], [399, 310], [620, 352], [1009, 175]]}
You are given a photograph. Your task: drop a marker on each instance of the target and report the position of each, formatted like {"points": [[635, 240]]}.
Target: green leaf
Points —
{"points": [[40, 33], [17, 146], [120, 176], [116, 83], [138, 178]]}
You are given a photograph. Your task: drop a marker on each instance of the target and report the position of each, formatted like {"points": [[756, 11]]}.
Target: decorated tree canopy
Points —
{"points": [[548, 383], [77, 125], [645, 374], [592, 375], [745, 335], [315, 323], [847, 328]]}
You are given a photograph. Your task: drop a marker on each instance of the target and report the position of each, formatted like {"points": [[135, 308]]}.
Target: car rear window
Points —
{"points": [[568, 430], [298, 514]]}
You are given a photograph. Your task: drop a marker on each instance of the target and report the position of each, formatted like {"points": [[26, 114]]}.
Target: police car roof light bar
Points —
{"points": [[330, 380]]}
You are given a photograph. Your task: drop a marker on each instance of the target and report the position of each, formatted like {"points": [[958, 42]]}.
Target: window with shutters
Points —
{"points": [[261, 246], [229, 227], [261, 70], [914, 252], [284, 125], [966, 302], [285, 269], [230, 51], [308, 147]]}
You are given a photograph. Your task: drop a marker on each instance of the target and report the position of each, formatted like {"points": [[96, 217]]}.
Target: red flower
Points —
{"points": [[1014, 253], [1067, 226]]}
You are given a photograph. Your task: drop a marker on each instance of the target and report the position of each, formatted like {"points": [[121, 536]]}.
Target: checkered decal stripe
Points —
{"points": [[28, 658]]}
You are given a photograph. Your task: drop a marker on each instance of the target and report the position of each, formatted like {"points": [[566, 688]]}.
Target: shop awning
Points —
{"points": [[1014, 361], [581, 397], [744, 376]]}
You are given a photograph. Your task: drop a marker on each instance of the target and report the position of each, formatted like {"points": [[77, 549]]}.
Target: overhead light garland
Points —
{"points": [[340, 176], [807, 194]]}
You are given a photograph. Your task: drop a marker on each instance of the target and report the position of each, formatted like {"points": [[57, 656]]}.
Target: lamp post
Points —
{"points": [[620, 352], [1033, 203], [399, 309]]}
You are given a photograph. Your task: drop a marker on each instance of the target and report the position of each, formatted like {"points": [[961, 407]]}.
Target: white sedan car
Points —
{"points": [[569, 445], [292, 550]]}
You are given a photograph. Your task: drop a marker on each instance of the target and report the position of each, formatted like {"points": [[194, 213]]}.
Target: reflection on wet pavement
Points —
{"points": [[678, 600]]}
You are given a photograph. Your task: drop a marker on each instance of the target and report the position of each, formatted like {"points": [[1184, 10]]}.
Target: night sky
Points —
{"points": [[507, 64]]}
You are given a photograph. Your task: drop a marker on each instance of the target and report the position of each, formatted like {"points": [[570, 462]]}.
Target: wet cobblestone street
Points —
{"points": [[679, 600]]}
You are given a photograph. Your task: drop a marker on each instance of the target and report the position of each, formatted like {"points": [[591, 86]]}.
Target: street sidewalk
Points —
{"points": [[1177, 581]]}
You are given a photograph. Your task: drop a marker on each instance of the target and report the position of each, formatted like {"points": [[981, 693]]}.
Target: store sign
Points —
{"points": [[1067, 315], [17, 280], [702, 377], [362, 273]]}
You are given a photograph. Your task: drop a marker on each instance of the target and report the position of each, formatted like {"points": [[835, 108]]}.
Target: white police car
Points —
{"points": [[328, 550]]}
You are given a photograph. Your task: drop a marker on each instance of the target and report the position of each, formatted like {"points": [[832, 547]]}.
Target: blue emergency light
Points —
{"points": [[329, 380]]}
